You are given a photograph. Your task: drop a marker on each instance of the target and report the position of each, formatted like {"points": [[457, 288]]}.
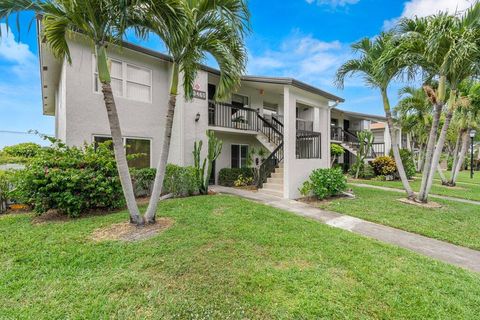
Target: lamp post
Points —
{"points": [[473, 133]]}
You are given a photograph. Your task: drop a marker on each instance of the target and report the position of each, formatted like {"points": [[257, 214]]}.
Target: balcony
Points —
{"points": [[228, 116], [302, 125]]}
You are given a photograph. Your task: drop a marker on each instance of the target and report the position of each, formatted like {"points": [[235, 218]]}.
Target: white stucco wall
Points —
{"points": [[60, 105]]}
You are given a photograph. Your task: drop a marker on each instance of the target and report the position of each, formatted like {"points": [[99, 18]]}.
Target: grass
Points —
{"points": [[463, 177], [223, 258], [458, 223], [462, 190]]}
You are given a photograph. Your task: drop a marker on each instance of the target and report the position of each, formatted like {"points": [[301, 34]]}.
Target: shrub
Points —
{"points": [[228, 176], [384, 166], [181, 181], [142, 180], [324, 183], [243, 181], [408, 163], [71, 180], [6, 184], [365, 172], [22, 150]]}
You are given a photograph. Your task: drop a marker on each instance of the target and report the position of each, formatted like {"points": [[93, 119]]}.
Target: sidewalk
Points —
{"points": [[443, 251]]}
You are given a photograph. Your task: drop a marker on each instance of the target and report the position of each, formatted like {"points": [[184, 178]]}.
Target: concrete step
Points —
{"points": [[273, 186], [272, 192], [279, 170], [275, 180], [277, 175]]}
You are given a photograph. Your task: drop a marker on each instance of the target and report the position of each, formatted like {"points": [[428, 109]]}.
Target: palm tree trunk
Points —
{"points": [[442, 176], [461, 159], [167, 137], [421, 158], [120, 156], [396, 151], [437, 153], [427, 161], [456, 151]]}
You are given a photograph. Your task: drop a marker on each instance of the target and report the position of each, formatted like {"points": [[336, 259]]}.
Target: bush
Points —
{"points": [[142, 180], [6, 184], [22, 150], [228, 176], [324, 183], [243, 181], [408, 163], [366, 171], [384, 166], [71, 180], [181, 181]]}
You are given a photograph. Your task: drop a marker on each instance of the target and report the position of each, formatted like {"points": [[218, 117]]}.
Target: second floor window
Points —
{"points": [[128, 81]]}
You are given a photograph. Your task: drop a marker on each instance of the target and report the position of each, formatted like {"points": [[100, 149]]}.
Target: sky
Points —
{"points": [[303, 39]]}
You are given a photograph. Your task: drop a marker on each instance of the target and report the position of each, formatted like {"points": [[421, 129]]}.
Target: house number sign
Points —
{"points": [[197, 94]]}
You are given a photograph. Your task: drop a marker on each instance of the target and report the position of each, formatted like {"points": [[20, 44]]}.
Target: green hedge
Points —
{"points": [[228, 176], [324, 183]]}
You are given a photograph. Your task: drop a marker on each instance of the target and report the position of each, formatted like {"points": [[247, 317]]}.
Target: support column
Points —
{"points": [[290, 117]]}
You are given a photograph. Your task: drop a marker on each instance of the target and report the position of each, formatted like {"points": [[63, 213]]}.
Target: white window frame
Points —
{"points": [[123, 79], [125, 142], [240, 145], [242, 95]]}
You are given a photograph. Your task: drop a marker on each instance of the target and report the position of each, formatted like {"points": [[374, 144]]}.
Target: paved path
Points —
{"points": [[446, 252], [436, 196]]}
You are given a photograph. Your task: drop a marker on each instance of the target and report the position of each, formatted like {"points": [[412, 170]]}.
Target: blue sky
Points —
{"points": [[304, 39]]}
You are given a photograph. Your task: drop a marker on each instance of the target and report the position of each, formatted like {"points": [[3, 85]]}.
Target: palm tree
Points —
{"points": [[378, 69], [445, 46], [214, 27], [414, 113], [467, 118], [102, 23]]}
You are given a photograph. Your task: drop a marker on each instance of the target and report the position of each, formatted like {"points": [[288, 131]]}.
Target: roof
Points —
{"points": [[261, 79], [372, 117]]}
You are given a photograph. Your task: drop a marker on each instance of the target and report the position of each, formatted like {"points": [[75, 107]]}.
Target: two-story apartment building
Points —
{"points": [[289, 118]]}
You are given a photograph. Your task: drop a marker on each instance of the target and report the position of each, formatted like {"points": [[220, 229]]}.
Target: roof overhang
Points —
{"points": [[50, 69], [364, 116]]}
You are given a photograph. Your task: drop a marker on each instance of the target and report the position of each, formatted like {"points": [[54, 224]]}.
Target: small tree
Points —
{"points": [[254, 160], [365, 139], [336, 151], [214, 149]]}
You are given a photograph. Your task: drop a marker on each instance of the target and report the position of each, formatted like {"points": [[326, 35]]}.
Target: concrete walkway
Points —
{"points": [[435, 196], [443, 251]]}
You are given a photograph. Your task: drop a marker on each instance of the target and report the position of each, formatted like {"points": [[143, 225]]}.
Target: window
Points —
{"points": [[141, 149], [128, 81], [239, 101], [239, 155], [134, 146]]}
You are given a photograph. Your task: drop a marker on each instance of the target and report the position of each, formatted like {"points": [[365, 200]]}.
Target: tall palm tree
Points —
{"points": [[213, 27], [467, 116], [447, 47], [378, 69], [414, 113], [102, 23]]}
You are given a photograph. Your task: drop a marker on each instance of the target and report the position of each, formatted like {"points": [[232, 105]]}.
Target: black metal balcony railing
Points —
{"points": [[228, 116], [309, 145]]}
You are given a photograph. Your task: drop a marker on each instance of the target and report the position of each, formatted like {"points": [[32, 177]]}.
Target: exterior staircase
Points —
{"points": [[267, 143], [274, 184]]}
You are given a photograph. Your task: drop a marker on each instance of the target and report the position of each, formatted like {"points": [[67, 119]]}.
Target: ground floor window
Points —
{"points": [[239, 155], [141, 148]]}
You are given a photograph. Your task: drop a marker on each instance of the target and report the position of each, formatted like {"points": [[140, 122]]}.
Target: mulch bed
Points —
{"points": [[428, 205], [125, 231]]}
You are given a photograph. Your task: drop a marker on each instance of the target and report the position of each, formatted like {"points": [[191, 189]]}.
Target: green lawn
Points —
{"points": [[458, 223], [463, 177], [462, 190], [224, 258]]}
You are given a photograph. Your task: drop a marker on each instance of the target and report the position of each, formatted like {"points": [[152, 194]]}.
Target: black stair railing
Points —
{"points": [[269, 165], [270, 130]]}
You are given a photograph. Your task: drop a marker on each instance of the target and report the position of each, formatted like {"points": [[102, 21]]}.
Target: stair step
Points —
{"points": [[273, 186], [272, 192], [275, 180], [279, 170], [277, 175]]}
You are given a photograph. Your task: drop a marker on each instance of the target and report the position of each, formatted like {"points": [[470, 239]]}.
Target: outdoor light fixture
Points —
{"points": [[197, 117], [473, 133]]}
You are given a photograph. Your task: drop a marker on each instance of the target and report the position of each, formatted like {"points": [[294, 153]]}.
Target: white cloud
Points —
{"points": [[423, 8], [333, 3], [17, 55], [303, 57]]}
